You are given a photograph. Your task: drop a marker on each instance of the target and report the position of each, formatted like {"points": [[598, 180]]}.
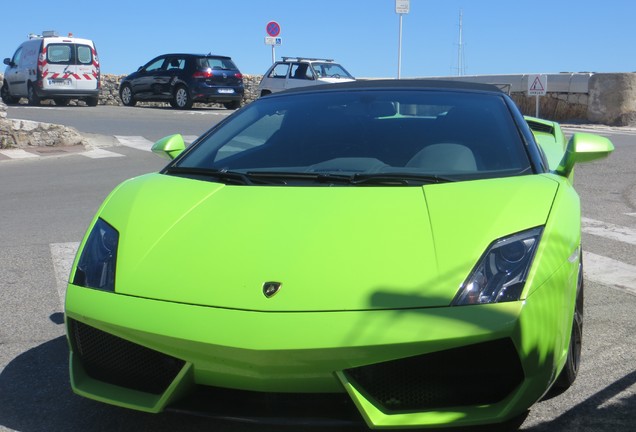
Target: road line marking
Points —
{"points": [[99, 153], [136, 142], [610, 272], [18, 154], [608, 230], [63, 255]]}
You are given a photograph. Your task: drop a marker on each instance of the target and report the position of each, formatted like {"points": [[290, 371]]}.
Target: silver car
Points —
{"points": [[294, 72]]}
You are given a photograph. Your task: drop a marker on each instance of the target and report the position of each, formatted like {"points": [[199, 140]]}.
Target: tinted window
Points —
{"points": [[215, 63], [465, 135], [155, 65]]}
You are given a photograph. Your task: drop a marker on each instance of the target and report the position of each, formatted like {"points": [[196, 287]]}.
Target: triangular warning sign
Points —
{"points": [[537, 85]]}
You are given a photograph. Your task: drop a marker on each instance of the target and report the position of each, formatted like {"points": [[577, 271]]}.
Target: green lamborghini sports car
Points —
{"points": [[390, 253]]}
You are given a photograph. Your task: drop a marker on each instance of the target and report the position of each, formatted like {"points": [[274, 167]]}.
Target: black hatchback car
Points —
{"points": [[182, 79]]}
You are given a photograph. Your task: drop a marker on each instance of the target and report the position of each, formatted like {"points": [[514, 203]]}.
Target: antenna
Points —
{"points": [[460, 48]]}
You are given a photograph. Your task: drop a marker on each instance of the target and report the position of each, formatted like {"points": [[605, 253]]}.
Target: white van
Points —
{"points": [[48, 66]]}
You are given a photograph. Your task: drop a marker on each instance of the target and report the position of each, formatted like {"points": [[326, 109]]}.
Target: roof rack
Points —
{"points": [[305, 58]]}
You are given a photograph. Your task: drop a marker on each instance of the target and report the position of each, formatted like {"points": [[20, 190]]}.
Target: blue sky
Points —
{"points": [[499, 36]]}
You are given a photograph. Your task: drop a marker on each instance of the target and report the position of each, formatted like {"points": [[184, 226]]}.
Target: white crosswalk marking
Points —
{"points": [[608, 230], [99, 153], [63, 255], [611, 272], [137, 142], [17, 154], [133, 141]]}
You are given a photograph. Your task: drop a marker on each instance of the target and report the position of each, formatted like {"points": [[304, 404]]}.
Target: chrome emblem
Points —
{"points": [[271, 288]]}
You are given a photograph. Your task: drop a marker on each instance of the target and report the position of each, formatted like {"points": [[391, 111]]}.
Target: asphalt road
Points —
{"points": [[46, 204]]}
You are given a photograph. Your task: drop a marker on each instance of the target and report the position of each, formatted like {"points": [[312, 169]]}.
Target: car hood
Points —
{"points": [[329, 248]]}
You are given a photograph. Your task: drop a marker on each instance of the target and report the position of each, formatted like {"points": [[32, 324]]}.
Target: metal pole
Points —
{"points": [[400, 50], [273, 54], [536, 106]]}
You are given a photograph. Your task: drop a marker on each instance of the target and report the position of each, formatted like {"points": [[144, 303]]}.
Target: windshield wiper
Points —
{"points": [[398, 179], [227, 177], [292, 175], [385, 179]]}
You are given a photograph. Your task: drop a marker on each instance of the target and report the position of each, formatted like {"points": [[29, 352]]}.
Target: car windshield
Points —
{"points": [[393, 136], [330, 70]]}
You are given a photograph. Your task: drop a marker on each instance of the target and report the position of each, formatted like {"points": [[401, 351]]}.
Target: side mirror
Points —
{"points": [[583, 147], [8, 62], [169, 147]]}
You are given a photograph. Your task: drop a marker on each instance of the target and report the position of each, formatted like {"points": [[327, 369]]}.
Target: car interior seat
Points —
{"points": [[444, 157]]}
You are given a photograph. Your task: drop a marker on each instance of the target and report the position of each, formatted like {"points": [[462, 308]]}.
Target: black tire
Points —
{"points": [[181, 98], [32, 96], [571, 369], [61, 101], [232, 105], [126, 95], [92, 101], [5, 93]]}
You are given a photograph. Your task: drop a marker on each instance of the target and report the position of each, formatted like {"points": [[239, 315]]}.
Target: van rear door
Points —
{"points": [[69, 66]]}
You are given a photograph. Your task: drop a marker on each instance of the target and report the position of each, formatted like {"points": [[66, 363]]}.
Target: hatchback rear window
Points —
{"points": [[215, 63]]}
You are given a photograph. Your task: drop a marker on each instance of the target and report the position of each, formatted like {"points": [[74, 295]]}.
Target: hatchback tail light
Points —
{"points": [[207, 73], [238, 75]]}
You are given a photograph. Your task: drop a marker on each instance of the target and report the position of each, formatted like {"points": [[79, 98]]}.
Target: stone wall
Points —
{"points": [[561, 107], [612, 99], [109, 94], [603, 98]]}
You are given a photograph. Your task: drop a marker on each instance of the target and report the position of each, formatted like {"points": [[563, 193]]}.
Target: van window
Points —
{"points": [[17, 57], [84, 54], [69, 53], [58, 53]]}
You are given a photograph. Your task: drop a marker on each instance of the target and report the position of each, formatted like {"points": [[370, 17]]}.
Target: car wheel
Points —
{"points": [[265, 92], [232, 105], [32, 96], [92, 101], [6, 95], [571, 369], [181, 98], [126, 95], [61, 101]]}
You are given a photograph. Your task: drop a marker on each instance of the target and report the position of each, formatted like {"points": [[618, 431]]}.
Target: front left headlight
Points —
{"points": [[501, 273], [96, 266]]}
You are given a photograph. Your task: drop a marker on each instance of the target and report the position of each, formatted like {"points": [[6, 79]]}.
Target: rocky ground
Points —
{"points": [[25, 133]]}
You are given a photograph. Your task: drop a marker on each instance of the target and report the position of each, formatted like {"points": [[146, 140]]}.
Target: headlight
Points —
{"points": [[96, 266], [501, 273]]}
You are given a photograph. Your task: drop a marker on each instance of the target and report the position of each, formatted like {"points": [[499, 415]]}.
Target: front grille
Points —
{"points": [[477, 374], [281, 409], [117, 361]]}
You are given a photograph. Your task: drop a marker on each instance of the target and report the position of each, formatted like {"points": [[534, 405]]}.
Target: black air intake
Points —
{"points": [[117, 361]]}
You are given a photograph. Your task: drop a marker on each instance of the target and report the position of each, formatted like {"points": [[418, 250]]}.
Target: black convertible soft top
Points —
{"points": [[421, 84]]}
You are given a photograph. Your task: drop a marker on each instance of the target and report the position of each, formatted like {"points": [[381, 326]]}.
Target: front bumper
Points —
{"points": [[465, 365]]}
